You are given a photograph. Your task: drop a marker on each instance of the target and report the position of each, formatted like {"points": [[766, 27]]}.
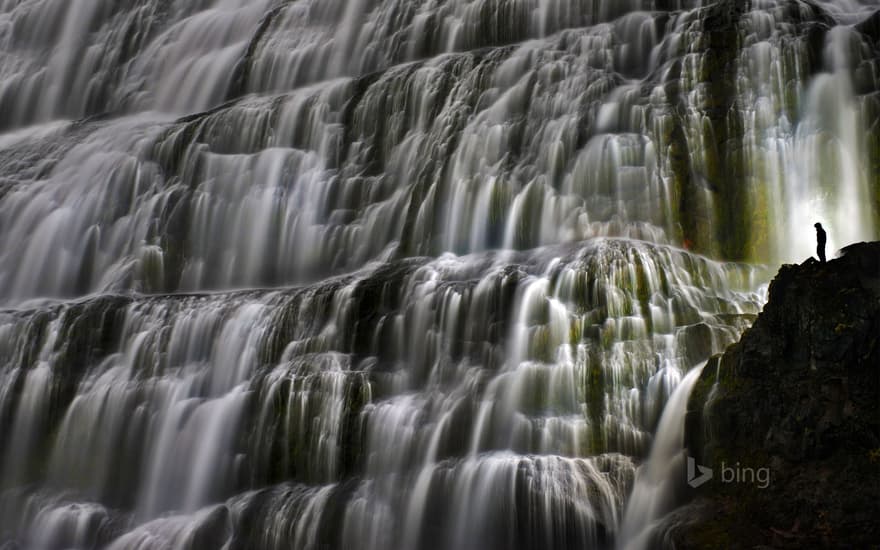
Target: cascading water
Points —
{"points": [[395, 274]]}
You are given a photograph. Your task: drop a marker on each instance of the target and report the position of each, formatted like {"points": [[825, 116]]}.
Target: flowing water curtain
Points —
{"points": [[810, 132], [367, 390], [188, 55], [516, 147], [494, 399]]}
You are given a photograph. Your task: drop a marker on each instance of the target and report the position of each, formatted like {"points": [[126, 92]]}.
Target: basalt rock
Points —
{"points": [[797, 398]]}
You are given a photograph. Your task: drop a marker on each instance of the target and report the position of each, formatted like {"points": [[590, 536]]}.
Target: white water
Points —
{"points": [[445, 262], [659, 481]]}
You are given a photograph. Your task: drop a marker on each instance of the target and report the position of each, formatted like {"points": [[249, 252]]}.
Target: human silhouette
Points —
{"points": [[820, 242]]}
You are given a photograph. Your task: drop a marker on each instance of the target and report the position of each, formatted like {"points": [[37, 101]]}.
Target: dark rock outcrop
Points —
{"points": [[796, 403]]}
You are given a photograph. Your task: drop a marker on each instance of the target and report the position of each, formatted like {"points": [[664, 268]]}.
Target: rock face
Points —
{"points": [[789, 418]]}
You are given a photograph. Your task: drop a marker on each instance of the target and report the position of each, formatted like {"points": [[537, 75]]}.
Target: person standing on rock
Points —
{"points": [[820, 241]]}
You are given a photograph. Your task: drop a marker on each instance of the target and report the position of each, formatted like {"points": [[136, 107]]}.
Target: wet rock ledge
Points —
{"points": [[798, 395]]}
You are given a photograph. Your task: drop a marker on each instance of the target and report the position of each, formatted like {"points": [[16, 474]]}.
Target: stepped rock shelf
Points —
{"points": [[422, 274], [434, 387]]}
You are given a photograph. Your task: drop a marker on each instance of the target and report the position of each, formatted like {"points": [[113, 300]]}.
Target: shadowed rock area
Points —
{"points": [[800, 395]]}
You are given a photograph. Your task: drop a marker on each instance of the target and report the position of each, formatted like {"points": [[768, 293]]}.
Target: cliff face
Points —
{"points": [[789, 418]]}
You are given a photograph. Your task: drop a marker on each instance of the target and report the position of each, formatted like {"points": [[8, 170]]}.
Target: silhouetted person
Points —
{"points": [[820, 242]]}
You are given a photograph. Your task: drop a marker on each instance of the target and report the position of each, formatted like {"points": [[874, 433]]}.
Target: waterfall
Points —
{"points": [[379, 274], [659, 481]]}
